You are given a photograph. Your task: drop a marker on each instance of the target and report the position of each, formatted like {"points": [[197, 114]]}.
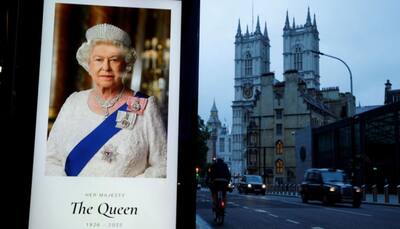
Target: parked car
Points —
{"points": [[329, 186], [251, 184]]}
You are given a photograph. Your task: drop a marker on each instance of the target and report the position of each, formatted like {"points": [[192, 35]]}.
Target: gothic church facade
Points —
{"points": [[267, 112]]}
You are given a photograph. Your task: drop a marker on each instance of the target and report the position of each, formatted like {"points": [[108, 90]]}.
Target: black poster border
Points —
{"points": [[20, 56], [188, 109]]}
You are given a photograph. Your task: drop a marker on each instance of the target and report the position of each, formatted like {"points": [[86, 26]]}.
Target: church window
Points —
{"points": [[278, 97], [253, 138], [279, 147], [278, 129], [229, 145], [279, 166], [248, 65], [221, 145], [278, 113], [253, 157], [265, 66], [298, 59]]}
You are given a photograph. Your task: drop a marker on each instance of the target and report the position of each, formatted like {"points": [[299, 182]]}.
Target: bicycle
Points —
{"points": [[219, 211]]}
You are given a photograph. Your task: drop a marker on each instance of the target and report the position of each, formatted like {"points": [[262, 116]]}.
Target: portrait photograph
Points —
{"points": [[108, 107]]}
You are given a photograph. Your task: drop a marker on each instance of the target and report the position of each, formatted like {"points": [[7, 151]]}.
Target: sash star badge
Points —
{"points": [[109, 153]]}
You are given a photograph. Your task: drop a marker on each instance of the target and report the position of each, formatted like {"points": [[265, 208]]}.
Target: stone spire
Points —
{"points": [[315, 23], [239, 30], [214, 107], [258, 29], [308, 21], [287, 26], [247, 31], [266, 31], [294, 23]]}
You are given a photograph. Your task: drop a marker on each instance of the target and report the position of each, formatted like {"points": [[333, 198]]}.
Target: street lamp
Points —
{"points": [[334, 57], [352, 125]]}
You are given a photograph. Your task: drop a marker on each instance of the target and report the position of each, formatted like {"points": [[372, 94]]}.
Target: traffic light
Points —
{"points": [[197, 173]]}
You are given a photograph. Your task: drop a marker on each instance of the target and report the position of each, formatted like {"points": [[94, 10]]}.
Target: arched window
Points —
{"points": [[248, 65], [252, 157], [222, 145], [298, 58], [279, 166], [279, 147]]}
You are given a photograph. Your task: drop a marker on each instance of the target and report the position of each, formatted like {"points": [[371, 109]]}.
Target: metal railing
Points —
{"points": [[294, 190]]}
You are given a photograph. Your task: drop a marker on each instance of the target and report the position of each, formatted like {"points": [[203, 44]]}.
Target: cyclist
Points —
{"points": [[218, 177]]}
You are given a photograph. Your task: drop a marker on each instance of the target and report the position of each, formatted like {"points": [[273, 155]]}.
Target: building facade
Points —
{"points": [[252, 58], [391, 95], [267, 113], [366, 145]]}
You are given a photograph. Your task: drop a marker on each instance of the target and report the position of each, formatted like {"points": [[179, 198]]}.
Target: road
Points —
{"points": [[257, 211]]}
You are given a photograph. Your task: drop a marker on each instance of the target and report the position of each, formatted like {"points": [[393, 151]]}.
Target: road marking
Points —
{"points": [[292, 221], [350, 212], [262, 211], [273, 215], [317, 228], [290, 202], [246, 207]]}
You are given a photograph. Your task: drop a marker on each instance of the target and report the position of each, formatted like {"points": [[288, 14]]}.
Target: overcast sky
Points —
{"points": [[365, 34]]}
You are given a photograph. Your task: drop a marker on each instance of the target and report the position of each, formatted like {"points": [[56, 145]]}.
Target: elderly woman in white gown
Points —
{"points": [[109, 130]]}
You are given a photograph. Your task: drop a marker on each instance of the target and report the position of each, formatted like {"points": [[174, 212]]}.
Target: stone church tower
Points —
{"points": [[252, 59], [214, 125], [298, 42]]}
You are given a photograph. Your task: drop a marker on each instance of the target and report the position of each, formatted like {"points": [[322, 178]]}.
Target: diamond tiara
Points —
{"points": [[108, 32]]}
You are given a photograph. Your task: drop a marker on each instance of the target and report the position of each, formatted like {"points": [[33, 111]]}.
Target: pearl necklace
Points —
{"points": [[107, 104]]}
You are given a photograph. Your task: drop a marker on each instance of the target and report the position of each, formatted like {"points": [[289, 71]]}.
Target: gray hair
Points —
{"points": [[83, 53]]}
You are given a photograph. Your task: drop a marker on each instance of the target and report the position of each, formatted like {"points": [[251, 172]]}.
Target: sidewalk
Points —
{"points": [[201, 224]]}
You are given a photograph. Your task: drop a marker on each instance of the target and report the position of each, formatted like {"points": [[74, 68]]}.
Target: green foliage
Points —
{"points": [[201, 152]]}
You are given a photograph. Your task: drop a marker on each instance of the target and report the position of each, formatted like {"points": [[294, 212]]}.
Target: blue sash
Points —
{"points": [[87, 148]]}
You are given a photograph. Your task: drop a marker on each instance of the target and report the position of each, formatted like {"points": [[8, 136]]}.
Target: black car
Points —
{"points": [[329, 186], [251, 184]]}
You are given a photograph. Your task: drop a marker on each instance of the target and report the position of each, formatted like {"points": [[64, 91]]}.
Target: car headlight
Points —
{"points": [[263, 186], [357, 189], [332, 189], [249, 185]]}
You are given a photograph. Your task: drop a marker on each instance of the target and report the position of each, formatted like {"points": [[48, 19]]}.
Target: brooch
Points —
{"points": [[125, 120], [109, 153], [136, 105]]}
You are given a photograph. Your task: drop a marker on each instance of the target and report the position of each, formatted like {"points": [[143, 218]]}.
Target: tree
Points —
{"points": [[201, 152]]}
